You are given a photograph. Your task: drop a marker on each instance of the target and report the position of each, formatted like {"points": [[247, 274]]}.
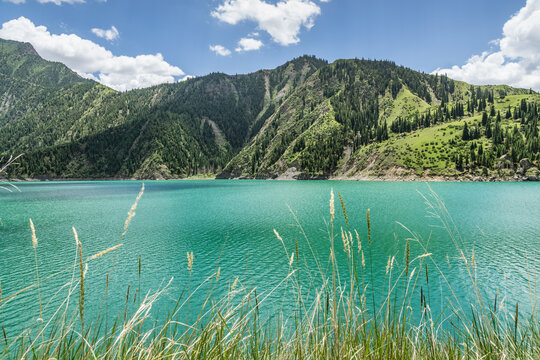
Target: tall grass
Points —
{"points": [[336, 318]]}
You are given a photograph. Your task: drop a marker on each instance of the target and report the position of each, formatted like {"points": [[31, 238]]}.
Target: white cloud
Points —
{"points": [[515, 62], [220, 50], [283, 21], [249, 44], [187, 77], [90, 59], [57, 2], [60, 2], [110, 34]]}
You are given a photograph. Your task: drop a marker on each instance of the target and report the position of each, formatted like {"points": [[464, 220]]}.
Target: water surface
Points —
{"points": [[232, 222]]}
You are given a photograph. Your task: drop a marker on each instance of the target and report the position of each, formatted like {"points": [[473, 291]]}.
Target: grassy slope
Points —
{"points": [[426, 151], [405, 104]]}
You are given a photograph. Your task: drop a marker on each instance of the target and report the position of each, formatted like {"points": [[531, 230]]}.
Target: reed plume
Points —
{"points": [[344, 209], [190, 260], [346, 242], [277, 235], [100, 254], [332, 209], [82, 273], [34, 245], [34, 237], [131, 212]]}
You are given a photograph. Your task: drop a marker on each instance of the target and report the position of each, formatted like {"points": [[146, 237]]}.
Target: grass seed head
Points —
{"points": [[34, 237], [332, 209], [190, 260]]}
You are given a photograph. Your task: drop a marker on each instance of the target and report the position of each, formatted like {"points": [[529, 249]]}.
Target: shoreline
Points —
{"points": [[359, 178]]}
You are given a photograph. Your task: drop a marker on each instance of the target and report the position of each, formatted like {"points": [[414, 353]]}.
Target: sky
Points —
{"points": [[128, 44]]}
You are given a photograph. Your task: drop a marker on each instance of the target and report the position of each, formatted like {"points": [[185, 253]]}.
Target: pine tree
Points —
{"points": [[465, 135]]}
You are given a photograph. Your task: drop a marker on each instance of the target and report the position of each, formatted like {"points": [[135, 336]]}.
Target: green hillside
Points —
{"points": [[304, 119], [370, 119]]}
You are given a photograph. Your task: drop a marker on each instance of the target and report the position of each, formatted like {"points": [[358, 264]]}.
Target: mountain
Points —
{"points": [[305, 119]]}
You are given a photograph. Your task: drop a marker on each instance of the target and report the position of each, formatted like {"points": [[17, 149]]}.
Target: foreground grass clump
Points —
{"points": [[337, 317]]}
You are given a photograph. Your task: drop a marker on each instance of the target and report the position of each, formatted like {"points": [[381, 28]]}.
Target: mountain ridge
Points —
{"points": [[305, 119]]}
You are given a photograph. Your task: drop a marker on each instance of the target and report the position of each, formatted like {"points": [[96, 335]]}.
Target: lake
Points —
{"points": [[230, 224]]}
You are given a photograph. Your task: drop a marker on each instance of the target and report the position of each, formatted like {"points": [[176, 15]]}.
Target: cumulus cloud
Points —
{"points": [[516, 59], [282, 21], [91, 60], [57, 2], [60, 2], [248, 44], [220, 50], [110, 34]]}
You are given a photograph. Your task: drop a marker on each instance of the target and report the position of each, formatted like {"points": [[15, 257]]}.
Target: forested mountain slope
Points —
{"points": [[304, 119]]}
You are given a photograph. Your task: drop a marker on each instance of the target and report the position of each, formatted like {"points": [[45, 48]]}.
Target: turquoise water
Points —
{"points": [[232, 222]]}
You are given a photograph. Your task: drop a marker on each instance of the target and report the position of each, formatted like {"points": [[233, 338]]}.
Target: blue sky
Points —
{"points": [[423, 35]]}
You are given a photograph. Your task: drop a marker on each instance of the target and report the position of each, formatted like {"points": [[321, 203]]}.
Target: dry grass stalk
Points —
{"points": [[332, 209], [76, 236], [407, 257], [10, 162], [100, 254], [190, 260], [296, 246], [368, 227], [346, 242], [359, 243], [131, 212], [34, 237], [344, 209], [34, 245], [81, 272], [516, 317]]}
